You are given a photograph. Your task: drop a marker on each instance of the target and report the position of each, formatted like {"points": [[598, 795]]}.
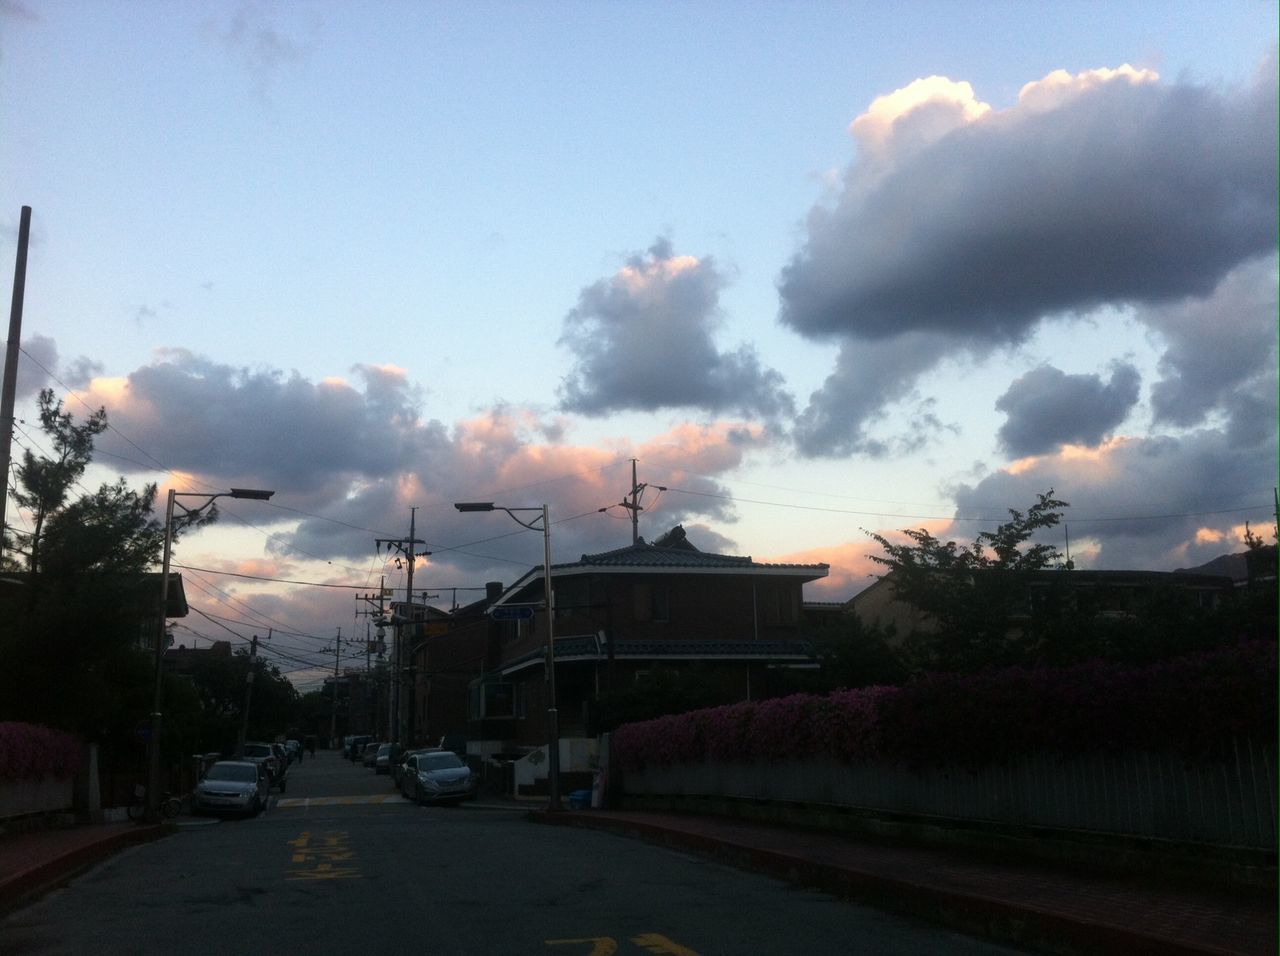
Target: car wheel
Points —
{"points": [[282, 783]]}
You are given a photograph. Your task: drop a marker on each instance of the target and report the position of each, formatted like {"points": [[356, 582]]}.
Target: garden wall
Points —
{"points": [[1226, 802]]}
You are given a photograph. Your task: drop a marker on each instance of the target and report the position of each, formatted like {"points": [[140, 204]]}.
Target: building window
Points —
{"points": [[652, 602], [781, 605]]}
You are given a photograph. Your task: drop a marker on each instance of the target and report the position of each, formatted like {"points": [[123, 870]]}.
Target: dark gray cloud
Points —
{"points": [[34, 367], [974, 225], [1047, 407], [644, 340], [841, 417], [347, 460], [1217, 345], [281, 429], [1143, 503]]}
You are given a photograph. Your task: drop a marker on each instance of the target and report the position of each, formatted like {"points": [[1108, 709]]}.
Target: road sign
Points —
{"points": [[512, 612]]}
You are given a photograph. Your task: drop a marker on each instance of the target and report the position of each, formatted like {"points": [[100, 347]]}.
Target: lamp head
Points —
{"points": [[473, 505], [255, 494]]}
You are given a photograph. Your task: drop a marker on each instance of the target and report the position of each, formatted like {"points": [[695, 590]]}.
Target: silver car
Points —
{"points": [[232, 786], [437, 776]]}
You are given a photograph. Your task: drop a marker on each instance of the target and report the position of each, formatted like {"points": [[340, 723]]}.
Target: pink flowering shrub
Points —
{"points": [[1188, 705], [29, 752]]}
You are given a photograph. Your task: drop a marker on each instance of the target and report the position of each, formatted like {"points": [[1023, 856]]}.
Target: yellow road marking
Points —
{"points": [[600, 945], [293, 803], [323, 849], [659, 944]]}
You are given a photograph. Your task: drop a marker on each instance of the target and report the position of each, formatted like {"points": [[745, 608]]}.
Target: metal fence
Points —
{"points": [[1229, 801]]}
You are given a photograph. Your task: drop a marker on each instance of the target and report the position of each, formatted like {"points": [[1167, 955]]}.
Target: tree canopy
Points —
{"points": [[970, 592]]}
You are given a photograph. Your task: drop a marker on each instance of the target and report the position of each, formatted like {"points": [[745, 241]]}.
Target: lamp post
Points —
{"points": [[153, 741], [553, 716]]}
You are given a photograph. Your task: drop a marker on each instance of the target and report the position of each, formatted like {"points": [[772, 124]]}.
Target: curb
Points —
{"points": [[25, 886], [971, 913]]}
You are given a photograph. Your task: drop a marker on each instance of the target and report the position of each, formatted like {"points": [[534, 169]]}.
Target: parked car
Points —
{"points": [[266, 755], [398, 765], [282, 756], [382, 758], [294, 749], [355, 746], [437, 776], [369, 756], [232, 786]]}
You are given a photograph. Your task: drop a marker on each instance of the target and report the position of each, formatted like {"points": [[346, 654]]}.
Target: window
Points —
{"points": [[652, 602], [780, 605]]}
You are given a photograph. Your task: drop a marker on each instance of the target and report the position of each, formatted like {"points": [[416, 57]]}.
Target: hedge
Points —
{"points": [[29, 752], [1187, 705]]}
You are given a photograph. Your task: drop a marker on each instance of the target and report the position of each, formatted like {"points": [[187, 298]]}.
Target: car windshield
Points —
{"points": [[384, 749], [244, 773], [445, 761]]}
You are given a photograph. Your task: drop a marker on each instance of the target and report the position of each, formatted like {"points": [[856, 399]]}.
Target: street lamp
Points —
{"points": [[553, 716], [153, 742]]}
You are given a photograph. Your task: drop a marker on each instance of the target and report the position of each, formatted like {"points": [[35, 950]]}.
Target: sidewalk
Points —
{"points": [[1030, 904], [34, 863]]}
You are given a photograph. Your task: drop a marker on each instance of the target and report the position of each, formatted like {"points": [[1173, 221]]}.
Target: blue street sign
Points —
{"points": [[512, 612]]}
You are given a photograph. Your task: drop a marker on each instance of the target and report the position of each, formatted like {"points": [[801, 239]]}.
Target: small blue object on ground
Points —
{"points": [[580, 800]]}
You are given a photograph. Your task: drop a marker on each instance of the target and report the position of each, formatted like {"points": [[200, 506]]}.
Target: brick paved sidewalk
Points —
{"points": [[1032, 904], [33, 863]]}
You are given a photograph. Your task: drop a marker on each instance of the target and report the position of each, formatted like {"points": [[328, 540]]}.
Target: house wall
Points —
{"points": [[697, 607]]}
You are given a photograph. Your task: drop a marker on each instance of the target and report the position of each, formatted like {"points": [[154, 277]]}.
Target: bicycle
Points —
{"points": [[170, 806]]}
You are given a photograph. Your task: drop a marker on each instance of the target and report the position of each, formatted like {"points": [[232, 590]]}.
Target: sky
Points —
{"points": [[819, 269]]}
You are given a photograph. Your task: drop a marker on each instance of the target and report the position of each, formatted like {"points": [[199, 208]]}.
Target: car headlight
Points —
{"points": [[428, 781]]}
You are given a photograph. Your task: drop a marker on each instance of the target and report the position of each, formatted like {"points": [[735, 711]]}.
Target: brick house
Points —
{"points": [[619, 615]]}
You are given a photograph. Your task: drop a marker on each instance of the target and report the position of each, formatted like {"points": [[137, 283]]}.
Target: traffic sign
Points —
{"points": [[512, 612]]}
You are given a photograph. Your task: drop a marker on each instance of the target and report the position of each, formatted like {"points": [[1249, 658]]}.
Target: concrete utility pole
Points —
{"points": [[636, 493], [333, 716], [407, 547], [8, 390], [248, 697]]}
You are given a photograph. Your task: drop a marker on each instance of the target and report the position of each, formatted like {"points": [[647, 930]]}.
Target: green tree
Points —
{"points": [[77, 615], [206, 705], [972, 593], [44, 483]]}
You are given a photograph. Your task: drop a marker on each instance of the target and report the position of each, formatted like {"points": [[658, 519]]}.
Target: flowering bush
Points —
{"points": [[29, 752], [1188, 705]]}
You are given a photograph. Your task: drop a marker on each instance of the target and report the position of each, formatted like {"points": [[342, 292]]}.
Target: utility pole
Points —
{"points": [[407, 547], [636, 493], [9, 387], [333, 716], [248, 695], [376, 610]]}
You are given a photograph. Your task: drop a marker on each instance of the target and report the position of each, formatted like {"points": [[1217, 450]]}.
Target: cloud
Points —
{"points": [[971, 224], [1047, 407], [261, 45], [1140, 503], [349, 459], [1218, 346], [644, 340], [35, 366], [18, 12], [868, 377]]}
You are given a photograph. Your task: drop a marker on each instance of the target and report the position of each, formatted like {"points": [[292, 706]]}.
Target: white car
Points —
{"points": [[232, 786]]}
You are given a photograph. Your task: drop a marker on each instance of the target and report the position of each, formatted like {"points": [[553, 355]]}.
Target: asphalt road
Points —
{"points": [[340, 864]]}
